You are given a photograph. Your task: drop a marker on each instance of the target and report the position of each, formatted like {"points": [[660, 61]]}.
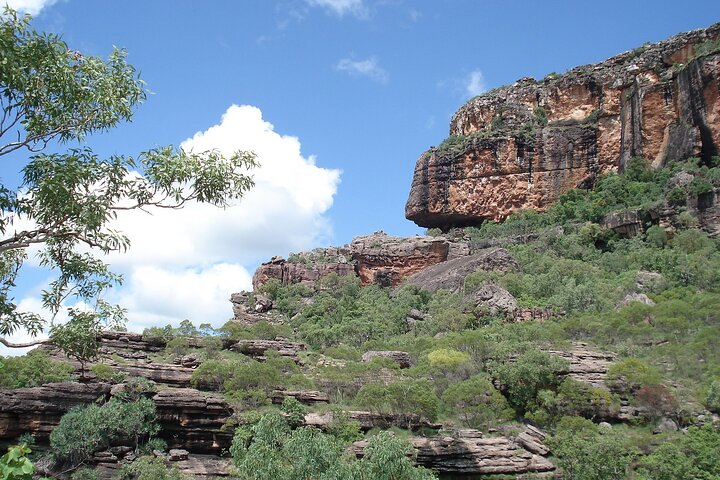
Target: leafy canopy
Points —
{"points": [[51, 96]]}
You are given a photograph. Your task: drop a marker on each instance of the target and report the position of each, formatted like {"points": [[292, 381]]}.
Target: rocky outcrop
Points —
{"points": [[468, 453], [193, 420], [586, 365], [386, 260], [38, 410], [450, 275], [523, 145], [308, 397], [305, 268], [401, 358], [189, 419], [493, 300], [257, 348]]}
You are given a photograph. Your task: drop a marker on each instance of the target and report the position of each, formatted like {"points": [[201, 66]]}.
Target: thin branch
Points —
{"points": [[26, 344]]}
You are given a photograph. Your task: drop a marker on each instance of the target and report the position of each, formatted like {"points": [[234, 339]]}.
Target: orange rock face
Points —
{"points": [[524, 145]]}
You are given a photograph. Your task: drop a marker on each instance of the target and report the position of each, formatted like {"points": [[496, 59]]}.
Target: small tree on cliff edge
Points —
{"points": [[52, 95]]}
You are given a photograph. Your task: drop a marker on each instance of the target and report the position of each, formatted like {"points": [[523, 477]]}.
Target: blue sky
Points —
{"points": [[355, 91]]}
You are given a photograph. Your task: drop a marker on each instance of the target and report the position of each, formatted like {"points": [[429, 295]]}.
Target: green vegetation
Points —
{"points": [[271, 449], [15, 465], [92, 428], [32, 370], [54, 96]]}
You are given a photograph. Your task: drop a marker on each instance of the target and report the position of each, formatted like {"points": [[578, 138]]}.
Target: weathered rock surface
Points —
{"points": [[523, 145], [533, 440], [306, 268], [586, 365], [38, 410], [401, 358], [494, 299], [193, 420], [386, 260], [257, 348], [199, 467], [468, 453], [450, 275], [308, 397]]}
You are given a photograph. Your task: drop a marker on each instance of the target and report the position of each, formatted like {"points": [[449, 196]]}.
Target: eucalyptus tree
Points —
{"points": [[52, 100]]}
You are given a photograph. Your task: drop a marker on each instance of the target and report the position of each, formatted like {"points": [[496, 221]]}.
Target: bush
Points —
{"points": [[631, 374], [696, 455], [150, 468], [403, 397], [523, 377], [85, 430], [107, 373], [32, 370], [85, 474], [476, 402], [14, 465], [586, 453]]}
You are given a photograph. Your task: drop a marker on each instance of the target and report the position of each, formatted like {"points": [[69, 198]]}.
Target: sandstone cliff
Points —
{"points": [[523, 145]]}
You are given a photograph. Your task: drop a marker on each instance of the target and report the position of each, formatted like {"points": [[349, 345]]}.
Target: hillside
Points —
{"points": [[577, 337]]}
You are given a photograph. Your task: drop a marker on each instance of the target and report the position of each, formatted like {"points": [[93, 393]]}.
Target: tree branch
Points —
{"points": [[26, 344]]}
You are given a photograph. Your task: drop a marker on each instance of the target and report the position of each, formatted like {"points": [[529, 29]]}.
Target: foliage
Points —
{"points": [[269, 449], [345, 313], [695, 455], [53, 95], [585, 452], [150, 468], [32, 370], [524, 376], [476, 401], [403, 398], [85, 430], [15, 465], [107, 373], [84, 474]]}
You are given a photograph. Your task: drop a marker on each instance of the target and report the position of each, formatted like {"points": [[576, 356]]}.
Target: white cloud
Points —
{"points": [[366, 68], [161, 296], [32, 7], [185, 263], [342, 7], [475, 83]]}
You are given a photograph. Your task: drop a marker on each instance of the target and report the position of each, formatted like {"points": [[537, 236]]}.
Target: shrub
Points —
{"points": [[14, 465], [32, 370], [586, 453], [695, 455], [85, 430], [631, 374], [403, 397], [106, 372], [150, 468], [85, 474], [523, 377], [476, 402]]}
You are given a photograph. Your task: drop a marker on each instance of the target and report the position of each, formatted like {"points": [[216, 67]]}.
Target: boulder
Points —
{"points": [[494, 299], [308, 397], [386, 260], [450, 275], [257, 348], [401, 358]]}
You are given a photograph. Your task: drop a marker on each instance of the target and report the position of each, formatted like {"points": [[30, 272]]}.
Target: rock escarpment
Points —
{"points": [[524, 145], [379, 258]]}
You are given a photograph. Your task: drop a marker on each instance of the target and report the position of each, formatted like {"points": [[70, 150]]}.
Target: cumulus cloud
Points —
{"points": [[341, 7], [32, 7], [185, 263], [366, 68], [475, 83]]}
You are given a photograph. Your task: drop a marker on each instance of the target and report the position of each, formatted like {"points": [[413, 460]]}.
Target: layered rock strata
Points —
{"points": [[469, 453], [379, 259], [523, 145]]}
